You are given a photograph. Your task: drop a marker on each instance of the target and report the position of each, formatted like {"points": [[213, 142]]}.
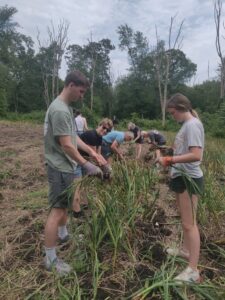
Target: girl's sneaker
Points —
{"points": [[189, 275], [177, 252]]}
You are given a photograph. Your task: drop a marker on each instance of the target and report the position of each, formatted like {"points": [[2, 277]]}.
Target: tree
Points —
{"points": [[136, 46], [155, 67], [94, 61], [51, 58], [16, 61], [133, 95], [3, 91], [217, 19], [7, 30], [7, 33], [163, 60], [203, 96]]}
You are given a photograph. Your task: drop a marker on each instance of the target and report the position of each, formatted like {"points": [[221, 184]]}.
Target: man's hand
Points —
{"points": [[98, 158], [92, 170], [107, 171]]}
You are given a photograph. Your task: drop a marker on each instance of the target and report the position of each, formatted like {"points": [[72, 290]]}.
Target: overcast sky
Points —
{"points": [[102, 18]]}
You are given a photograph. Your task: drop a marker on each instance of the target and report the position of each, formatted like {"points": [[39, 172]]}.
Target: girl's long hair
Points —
{"points": [[181, 103]]}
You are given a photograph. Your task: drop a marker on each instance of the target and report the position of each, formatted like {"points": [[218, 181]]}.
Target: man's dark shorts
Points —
{"points": [[193, 186], [60, 188]]}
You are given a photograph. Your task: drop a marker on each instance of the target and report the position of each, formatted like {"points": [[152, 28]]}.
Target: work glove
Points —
{"points": [[107, 171], [165, 161], [92, 170]]}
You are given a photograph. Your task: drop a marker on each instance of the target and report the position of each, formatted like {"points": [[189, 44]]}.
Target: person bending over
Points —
{"points": [[93, 138], [112, 141], [154, 137], [138, 138]]}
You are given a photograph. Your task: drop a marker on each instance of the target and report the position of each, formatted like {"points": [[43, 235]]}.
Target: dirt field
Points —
{"points": [[23, 198]]}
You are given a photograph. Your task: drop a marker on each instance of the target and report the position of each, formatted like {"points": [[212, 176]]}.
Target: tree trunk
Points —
{"points": [[162, 68]]}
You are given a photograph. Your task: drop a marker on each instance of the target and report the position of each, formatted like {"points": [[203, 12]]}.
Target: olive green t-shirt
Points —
{"points": [[58, 122]]}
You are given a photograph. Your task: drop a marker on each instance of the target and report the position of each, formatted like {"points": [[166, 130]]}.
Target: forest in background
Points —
{"points": [[29, 78]]}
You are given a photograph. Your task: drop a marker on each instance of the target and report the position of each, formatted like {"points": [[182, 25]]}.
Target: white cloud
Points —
{"points": [[102, 18]]}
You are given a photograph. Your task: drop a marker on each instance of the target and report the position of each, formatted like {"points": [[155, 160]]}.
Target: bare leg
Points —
{"points": [[184, 243], [138, 150], [109, 160], [54, 220], [84, 199], [76, 200], [188, 209], [63, 220]]}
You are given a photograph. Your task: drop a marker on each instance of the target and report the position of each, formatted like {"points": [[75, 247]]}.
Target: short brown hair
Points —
{"points": [[107, 122], [78, 78]]}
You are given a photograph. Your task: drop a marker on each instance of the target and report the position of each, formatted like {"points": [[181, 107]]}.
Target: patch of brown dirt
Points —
{"points": [[21, 233], [21, 172]]}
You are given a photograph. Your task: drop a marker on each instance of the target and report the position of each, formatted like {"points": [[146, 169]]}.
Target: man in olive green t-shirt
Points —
{"points": [[61, 157]]}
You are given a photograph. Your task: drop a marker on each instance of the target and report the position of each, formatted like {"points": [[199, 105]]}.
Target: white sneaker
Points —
{"points": [[177, 252], [57, 265], [189, 275]]}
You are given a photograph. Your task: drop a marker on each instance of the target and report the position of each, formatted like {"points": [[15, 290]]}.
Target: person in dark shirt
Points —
{"points": [[138, 138], [154, 137], [93, 138]]}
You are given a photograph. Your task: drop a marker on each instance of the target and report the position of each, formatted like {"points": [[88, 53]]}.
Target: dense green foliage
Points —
{"points": [[135, 94]]}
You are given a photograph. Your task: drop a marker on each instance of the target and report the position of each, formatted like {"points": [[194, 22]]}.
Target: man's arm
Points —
{"points": [[99, 149], [68, 147], [84, 147]]}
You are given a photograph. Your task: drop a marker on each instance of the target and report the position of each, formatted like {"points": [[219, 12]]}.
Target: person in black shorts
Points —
{"points": [[186, 181], [155, 138]]}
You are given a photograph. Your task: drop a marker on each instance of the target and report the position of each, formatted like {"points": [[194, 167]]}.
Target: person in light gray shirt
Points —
{"points": [[186, 180]]}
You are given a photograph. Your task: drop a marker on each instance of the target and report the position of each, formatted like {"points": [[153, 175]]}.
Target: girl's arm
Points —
{"points": [[194, 154]]}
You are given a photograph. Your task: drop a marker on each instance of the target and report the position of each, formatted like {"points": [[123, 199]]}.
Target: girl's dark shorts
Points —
{"points": [[140, 140], [192, 185]]}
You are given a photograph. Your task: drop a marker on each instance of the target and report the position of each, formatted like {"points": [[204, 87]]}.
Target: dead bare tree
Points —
{"points": [[45, 74], [56, 42], [162, 60], [217, 19], [94, 56]]}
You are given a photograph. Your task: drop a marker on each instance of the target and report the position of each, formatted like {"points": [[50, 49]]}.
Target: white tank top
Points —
{"points": [[79, 124]]}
